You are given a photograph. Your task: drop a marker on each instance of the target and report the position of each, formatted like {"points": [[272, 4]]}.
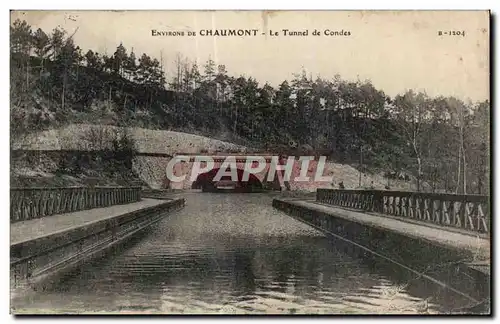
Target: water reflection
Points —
{"points": [[236, 254]]}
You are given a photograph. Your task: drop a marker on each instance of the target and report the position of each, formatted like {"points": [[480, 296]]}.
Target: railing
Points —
{"points": [[59, 251], [468, 212], [30, 203]]}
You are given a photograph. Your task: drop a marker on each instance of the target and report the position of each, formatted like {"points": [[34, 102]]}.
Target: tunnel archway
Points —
{"points": [[205, 181]]}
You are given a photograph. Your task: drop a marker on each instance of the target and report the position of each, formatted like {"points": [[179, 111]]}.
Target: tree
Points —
{"points": [[195, 76], [458, 112], [144, 69], [107, 63], [130, 66], [479, 137], [120, 59], [301, 113], [20, 37], [264, 113], [221, 81], [157, 78], [177, 82], [209, 72], [237, 100], [208, 84], [187, 83], [41, 44], [20, 46], [57, 42], [68, 57], [411, 110], [93, 60], [282, 110]]}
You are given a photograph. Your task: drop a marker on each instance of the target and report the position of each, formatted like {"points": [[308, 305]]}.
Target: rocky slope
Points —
{"points": [[83, 136]]}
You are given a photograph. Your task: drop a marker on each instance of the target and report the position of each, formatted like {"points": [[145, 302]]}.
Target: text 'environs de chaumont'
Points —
{"points": [[251, 32]]}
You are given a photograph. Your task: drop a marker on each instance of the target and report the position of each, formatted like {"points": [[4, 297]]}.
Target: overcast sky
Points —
{"points": [[395, 50]]}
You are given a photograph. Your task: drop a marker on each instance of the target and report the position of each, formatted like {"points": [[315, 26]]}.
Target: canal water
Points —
{"points": [[235, 254]]}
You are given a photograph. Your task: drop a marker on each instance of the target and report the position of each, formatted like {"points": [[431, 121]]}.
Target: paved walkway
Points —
{"points": [[37, 228], [480, 246]]}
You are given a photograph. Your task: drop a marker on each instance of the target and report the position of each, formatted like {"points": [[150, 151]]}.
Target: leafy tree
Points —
{"points": [[195, 76], [93, 60], [57, 42], [209, 72], [120, 59], [130, 66], [20, 37], [41, 44], [144, 69], [282, 112]]}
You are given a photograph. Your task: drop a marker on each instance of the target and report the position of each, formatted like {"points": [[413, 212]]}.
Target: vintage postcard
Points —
{"points": [[250, 162]]}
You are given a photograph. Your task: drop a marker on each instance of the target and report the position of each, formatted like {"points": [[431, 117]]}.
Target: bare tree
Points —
{"points": [[411, 112], [459, 111]]}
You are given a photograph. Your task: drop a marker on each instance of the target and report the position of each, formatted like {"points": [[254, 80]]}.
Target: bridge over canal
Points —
{"points": [[119, 250], [267, 170]]}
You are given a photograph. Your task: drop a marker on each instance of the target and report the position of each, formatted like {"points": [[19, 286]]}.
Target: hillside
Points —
{"points": [[68, 144], [44, 168], [84, 137]]}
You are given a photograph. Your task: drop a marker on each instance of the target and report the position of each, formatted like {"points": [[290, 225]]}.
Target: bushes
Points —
{"points": [[103, 150]]}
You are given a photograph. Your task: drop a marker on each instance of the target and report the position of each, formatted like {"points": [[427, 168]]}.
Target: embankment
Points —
{"points": [[41, 163]]}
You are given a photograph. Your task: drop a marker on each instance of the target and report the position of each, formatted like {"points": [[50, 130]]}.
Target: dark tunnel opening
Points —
{"points": [[205, 182]]}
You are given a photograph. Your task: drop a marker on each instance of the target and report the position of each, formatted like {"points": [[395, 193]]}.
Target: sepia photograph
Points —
{"points": [[244, 162]]}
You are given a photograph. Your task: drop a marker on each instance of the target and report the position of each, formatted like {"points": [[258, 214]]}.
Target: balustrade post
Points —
{"points": [[378, 200]]}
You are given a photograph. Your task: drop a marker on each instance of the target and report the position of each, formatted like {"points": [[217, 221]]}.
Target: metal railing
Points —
{"points": [[468, 212], [50, 254], [31, 203]]}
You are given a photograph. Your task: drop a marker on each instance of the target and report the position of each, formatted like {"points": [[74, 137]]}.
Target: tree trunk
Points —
{"points": [[459, 168], [235, 120], [479, 184], [42, 67], [63, 90], [419, 162], [465, 166], [465, 173], [360, 164], [27, 73], [109, 98]]}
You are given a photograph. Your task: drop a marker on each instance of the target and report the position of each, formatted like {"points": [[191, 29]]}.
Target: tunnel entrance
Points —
{"points": [[205, 182]]}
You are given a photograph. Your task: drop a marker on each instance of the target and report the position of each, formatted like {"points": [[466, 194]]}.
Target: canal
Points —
{"points": [[235, 254]]}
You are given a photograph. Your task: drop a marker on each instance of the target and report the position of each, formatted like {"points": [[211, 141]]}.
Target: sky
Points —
{"points": [[397, 51]]}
